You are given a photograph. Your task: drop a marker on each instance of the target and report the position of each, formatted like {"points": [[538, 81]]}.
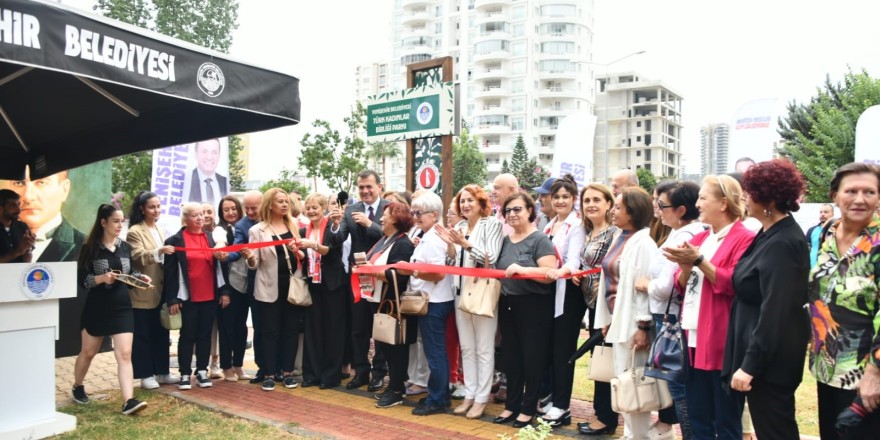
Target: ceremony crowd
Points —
{"points": [[724, 261]]}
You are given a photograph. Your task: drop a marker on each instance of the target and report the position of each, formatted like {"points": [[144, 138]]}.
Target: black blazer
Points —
{"points": [[362, 239], [768, 330], [65, 244], [175, 264], [195, 187], [332, 269]]}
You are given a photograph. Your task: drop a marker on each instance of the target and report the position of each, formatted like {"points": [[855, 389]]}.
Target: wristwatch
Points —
{"points": [[699, 260]]}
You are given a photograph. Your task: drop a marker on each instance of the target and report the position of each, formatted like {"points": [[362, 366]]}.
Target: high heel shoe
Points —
{"points": [[522, 423], [476, 411], [605, 430], [500, 420], [463, 408]]}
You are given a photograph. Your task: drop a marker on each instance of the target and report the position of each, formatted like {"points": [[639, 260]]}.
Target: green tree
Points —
{"points": [[208, 23], [236, 166], [820, 136], [335, 160], [531, 175], [382, 152], [505, 167], [520, 159], [468, 164], [646, 180], [286, 181]]}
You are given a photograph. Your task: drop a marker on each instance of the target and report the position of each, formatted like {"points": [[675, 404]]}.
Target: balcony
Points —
{"points": [[492, 35], [494, 55], [416, 32], [560, 74], [410, 3], [490, 17], [412, 18], [491, 110], [560, 92], [496, 149], [491, 92], [554, 111], [481, 4], [480, 73], [490, 129], [416, 49]]}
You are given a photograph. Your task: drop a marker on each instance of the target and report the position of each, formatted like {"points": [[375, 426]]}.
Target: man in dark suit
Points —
{"points": [[206, 185], [361, 222]]}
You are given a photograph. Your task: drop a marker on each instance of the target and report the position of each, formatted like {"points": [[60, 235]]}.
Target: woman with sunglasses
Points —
{"points": [[705, 272]]}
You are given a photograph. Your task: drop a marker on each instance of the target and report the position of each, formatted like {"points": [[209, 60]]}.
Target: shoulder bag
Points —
{"points": [[414, 302], [389, 327], [668, 358], [479, 296], [298, 292], [169, 321], [601, 364], [633, 392]]}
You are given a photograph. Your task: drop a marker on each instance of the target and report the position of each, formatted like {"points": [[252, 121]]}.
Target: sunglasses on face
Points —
{"points": [[516, 210], [418, 214]]}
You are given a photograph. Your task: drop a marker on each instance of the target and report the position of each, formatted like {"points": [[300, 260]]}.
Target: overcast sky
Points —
{"points": [[717, 55]]}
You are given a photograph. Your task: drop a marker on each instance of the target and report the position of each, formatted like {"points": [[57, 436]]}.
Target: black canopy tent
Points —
{"points": [[76, 88]]}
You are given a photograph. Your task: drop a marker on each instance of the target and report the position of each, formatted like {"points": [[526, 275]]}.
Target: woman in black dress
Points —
{"points": [[107, 311]]}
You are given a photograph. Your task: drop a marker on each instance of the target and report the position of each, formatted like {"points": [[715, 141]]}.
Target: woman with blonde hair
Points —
{"points": [[705, 274], [274, 266]]}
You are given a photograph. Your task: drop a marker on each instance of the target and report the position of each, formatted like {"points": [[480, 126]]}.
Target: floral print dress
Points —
{"points": [[845, 308]]}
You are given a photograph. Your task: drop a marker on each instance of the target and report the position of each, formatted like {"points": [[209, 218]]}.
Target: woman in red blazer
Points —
{"points": [[705, 271]]}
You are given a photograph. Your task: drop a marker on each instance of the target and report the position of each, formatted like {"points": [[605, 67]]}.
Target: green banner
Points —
{"points": [[403, 116]]}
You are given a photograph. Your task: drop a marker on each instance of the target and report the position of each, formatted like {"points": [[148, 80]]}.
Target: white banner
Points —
{"points": [[868, 136], [197, 172], [573, 149], [753, 131]]}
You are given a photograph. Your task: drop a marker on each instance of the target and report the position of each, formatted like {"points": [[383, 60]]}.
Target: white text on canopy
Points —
{"points": [[99, 48]]}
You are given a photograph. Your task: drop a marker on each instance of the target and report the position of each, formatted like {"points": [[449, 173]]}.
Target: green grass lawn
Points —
{"points": [[807, 410], [165, 418]]}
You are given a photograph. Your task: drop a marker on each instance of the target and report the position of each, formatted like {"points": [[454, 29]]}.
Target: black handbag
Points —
{"points": [[668, 359]]}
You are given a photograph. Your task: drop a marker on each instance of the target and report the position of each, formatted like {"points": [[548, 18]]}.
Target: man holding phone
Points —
{"points": [[358, 223]]}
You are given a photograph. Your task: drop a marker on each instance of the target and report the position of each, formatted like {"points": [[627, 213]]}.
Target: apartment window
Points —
{"points": [[517, 123], [517, 86], [519, 30], [518, 67], [519, 49], [485, 47], [648, 157], [470, 109], [558, 11], [638, 153], [438, 28], [556, 29], [491, 120], [517, 104], [556, 66], [518, 12], [495, 26], [411, 42], [558, 47], [638, 123], [438, 11]]}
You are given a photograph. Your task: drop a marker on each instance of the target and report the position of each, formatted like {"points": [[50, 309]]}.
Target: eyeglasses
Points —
{"points": [[418, 214], [661, 206], [516, 210]]}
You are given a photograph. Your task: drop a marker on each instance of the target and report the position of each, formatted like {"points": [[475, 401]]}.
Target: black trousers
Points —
{"points": [[324, 334], [232, 328], [149, 348], [346, 315], [198, 321], [601, 390], [832, 401], [566, 329], [397, 357], [772, 410], [526, 322], [279, 334], [361, 332]]}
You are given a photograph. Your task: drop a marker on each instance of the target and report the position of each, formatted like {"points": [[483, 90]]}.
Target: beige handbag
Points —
{"points": [[298, 293], [169, 321], [601, 364], [479, 296], [414, 302], [633, 392], [389, 327]]}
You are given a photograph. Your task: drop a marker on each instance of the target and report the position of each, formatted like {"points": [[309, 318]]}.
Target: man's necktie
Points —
{"points": [[209, 191], [370, 216]]}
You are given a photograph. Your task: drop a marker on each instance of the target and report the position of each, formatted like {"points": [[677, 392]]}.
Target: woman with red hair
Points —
{"points": [[471, 243], [768, 329]]}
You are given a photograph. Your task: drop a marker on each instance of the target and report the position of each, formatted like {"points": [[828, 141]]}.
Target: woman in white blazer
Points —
{"points": [[622, 312], [274, 265]]}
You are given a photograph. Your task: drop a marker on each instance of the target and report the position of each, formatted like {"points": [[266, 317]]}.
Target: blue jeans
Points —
{"points": [[433, 328], [713, 412]]}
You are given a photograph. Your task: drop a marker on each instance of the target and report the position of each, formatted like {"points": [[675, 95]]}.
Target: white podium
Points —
{"points": [[29, 294]]}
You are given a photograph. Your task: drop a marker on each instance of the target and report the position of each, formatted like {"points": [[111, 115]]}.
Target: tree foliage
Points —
{"points": [[468, 163], [527, 171], [208, 23], [236, 166], [328, 156], [287, 181], [505, 167], [520, 157], [820, 135], [646, 179], [381, 152]]}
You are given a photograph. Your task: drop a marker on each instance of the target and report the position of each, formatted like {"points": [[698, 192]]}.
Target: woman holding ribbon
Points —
{"points": [[324, 337], [567, 234], [232, 319], [473, 242], [394, 247], [274, 266]]}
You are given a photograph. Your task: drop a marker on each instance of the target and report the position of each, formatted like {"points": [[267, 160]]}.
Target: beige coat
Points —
{"points": [[266, 264], [143, 258]]}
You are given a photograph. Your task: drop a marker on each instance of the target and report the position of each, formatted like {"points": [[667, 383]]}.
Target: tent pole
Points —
{"points": [[14, 131], [15, 74], [109, 96]]}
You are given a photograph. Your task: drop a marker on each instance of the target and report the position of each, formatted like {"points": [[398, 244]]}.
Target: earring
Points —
{"points": [[767, 213]]}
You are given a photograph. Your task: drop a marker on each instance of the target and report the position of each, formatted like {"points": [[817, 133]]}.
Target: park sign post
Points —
{"points": [[419, 112]]}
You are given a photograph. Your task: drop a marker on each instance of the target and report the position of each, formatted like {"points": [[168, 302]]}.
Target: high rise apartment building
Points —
{"points": [[714, 142], [523, 65], [639, 126]]}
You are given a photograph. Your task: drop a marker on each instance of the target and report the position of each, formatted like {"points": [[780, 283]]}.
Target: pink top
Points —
{"points": [[716, 299]]}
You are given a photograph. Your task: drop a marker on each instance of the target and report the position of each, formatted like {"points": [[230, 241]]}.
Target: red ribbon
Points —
{"points": [[237, 247], [448, 270]]}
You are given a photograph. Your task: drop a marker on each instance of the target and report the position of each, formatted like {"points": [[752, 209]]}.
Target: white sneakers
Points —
{"points": [[149, 383], [654, 434], [167, 379]]}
